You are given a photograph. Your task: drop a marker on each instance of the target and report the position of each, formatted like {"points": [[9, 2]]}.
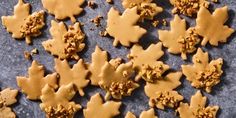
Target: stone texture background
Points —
{"points": [[12, 62]]}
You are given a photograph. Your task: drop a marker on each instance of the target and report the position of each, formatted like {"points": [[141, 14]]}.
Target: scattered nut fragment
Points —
{"points": [[170, 99], [164, 22], [215, 1], [155, 23], [109, 1], [103, 33], [203, 74], [97, 20], [92, 4], [197, 108], [34, 51], [27, 55], [188, 7]]}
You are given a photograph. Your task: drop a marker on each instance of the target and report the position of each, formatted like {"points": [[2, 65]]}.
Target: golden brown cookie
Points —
{"points": [[7, 98], [65, 43], [76, 75], [178, 39], [207, 23], [57, 104], [116, 81], [63, 9], [161, 92], [120, 26], [203, 74], [145, 62], [97, 109], [22, 24], [197, 108], [146, 9], [33, 84]]}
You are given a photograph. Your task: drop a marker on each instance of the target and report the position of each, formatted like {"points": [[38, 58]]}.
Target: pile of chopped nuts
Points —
{"points": [[205, 112], [166, 99], [60, 112], [152, 73]]}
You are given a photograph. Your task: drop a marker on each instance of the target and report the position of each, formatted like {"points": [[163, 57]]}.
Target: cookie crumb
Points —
{"points": [[97, 20], [27, 55], [92, 4]]}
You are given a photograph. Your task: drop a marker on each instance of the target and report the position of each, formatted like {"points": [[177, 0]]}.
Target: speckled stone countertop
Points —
{"points": [[13, 63]]}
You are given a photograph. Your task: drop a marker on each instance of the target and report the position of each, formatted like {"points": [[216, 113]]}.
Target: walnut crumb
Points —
{"points": [[119, 89], [215, 1], [92, 4], [152, 73], [59, 112], [189, 42], [27, 55], [155, 23], [205, 112], [97, 20], [32, 25], [164, 22], [188, 7], [209, 78], [109, 1], [103, 33], [34, 51], [165, 99], [74, 41]]}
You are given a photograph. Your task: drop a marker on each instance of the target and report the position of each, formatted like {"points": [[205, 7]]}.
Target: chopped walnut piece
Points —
{"points": [[92, 4], [166, 98], [59, 112], [97, 20], [205, 112], [164, 22], [27, 55], [155, 23], [188, 42], [34, 51], [215, 1], [188, 7], [210, 77], [109, 1], [32, 25], [119, 89], [152, 73], [74, 41], [148, 10], [103, 33]]}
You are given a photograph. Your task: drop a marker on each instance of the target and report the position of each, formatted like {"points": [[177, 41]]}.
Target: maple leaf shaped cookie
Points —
{"points": [[76, 75], [120, 27], [145, 62], [161, 92], [33, 84], [145, 114], [207, 23], [146, 9], [203, 74], [7, 98], [179, 40], [65, 43], [116, 81], [57, 104], [63, 9], [22, 24], [97, 109], [197, 108], [99, 58]]}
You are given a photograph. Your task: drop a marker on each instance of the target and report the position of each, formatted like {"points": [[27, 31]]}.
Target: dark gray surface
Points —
{"points": [[13, 63]]}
